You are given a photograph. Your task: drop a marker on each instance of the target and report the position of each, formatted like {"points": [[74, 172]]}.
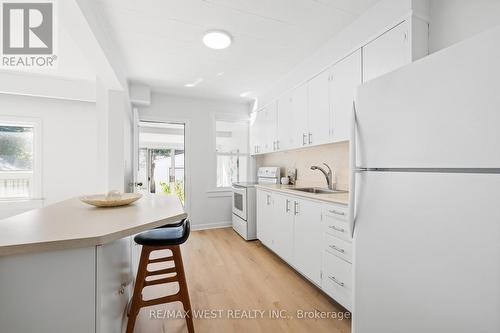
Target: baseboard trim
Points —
{"points": [[207, 226]]}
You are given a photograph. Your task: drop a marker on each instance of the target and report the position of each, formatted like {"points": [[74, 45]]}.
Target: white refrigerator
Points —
{"points": [[425, 194]]}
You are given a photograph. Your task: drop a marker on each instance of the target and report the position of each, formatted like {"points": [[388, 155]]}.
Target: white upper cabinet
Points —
{"points": [[319, 110], [388, 52], [292, 118], [345, 78], [270, 123], [257, 132], [263, 138]]}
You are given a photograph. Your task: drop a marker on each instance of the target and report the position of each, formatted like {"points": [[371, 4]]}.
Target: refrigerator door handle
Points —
{"points": [[352, 180]]}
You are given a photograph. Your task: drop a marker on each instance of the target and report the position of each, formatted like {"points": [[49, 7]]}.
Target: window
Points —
{"points": [[231, 148], [18, 177]]}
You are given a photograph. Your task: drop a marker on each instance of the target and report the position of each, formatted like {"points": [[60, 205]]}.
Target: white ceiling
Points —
{"points": [[160, 40]]}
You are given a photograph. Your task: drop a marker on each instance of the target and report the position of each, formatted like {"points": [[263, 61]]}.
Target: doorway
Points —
{"points": [[161, 159]]}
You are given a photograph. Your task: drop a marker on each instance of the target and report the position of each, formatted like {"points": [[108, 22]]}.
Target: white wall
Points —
{"points": [[69, 144], [206, 208], [455, 20]]}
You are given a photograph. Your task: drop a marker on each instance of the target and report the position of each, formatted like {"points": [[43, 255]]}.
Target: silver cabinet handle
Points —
{"points": [[336, 281], [333, 247], [268, 199], [336, 228], [336, 212], [296, 208], [274, 145], [310, 138], [277, 144], [304, 139], [287, 208]]}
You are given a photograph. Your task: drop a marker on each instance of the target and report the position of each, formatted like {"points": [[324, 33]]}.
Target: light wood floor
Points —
{"points": [[226, 273]]}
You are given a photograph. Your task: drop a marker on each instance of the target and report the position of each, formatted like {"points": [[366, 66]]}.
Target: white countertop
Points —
{"points": [[73, 224], [338, 198]]}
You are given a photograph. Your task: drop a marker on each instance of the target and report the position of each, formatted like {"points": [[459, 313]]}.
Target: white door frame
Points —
{"points": [[135, 148], [187, 151]]}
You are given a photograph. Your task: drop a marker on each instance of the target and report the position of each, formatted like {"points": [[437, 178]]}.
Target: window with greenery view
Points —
{"points": [[16, 161]]}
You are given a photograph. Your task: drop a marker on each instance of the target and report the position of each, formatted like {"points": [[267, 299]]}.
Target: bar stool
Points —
{"points": [[164, 238]]}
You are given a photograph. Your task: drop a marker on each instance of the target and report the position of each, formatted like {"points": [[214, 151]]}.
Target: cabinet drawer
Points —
{"points": [[337, 279], [240, 226], [337, 212], [338, 247], [336, 227]]}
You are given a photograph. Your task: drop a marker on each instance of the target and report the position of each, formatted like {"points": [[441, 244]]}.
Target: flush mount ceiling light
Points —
{"points": [[217, 39]]}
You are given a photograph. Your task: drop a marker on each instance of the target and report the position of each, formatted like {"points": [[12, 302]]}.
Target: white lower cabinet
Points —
{"points": [[265, 218], [113, 284], [284, 219], [307, 233], [337, 279], [311, 236]]}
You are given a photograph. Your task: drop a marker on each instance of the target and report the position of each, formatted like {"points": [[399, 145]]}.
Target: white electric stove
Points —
{"points": [[244, 202]]}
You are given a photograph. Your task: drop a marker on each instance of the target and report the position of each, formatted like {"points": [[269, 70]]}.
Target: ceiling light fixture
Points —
{"points": [[217, 39]]}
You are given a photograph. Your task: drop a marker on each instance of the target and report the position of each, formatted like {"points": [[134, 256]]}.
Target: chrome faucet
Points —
{"points": [[328, 175]]}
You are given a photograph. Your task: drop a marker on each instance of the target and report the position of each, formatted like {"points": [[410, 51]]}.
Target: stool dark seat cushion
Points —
{"points": [[165, 236]]}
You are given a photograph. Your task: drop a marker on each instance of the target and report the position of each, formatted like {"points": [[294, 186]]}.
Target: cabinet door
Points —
{"points": [[284, 219], [307, 248], [319, 109], [113, 284], [387, 53], [265, 220], [285, 121], [346, 77], [269, 135], [292, 118], [253, 133], [258, 133]]}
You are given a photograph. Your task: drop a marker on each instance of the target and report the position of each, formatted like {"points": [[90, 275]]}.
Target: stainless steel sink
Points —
{"points": [[317, 190]]}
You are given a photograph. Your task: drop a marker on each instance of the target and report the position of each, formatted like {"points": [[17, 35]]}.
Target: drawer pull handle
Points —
{"points": [[336, 228], [337, 213], [337, 249], [336, 281]]}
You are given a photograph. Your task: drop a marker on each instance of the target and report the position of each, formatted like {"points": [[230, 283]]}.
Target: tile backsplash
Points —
{"points": [[336, 155]]}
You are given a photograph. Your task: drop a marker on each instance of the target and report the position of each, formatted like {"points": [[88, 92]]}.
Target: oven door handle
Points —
{"points": [[238, 189]]}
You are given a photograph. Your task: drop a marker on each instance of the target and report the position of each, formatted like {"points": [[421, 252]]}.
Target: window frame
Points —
{"points": [[230, 118], [36, 123]]}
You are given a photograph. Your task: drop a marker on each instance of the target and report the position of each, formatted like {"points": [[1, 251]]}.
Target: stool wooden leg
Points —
{"points": [[135, 306], [183, 289]]}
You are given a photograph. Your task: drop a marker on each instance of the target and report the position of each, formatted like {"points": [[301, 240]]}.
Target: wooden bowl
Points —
{"points": [[103, 200]]}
